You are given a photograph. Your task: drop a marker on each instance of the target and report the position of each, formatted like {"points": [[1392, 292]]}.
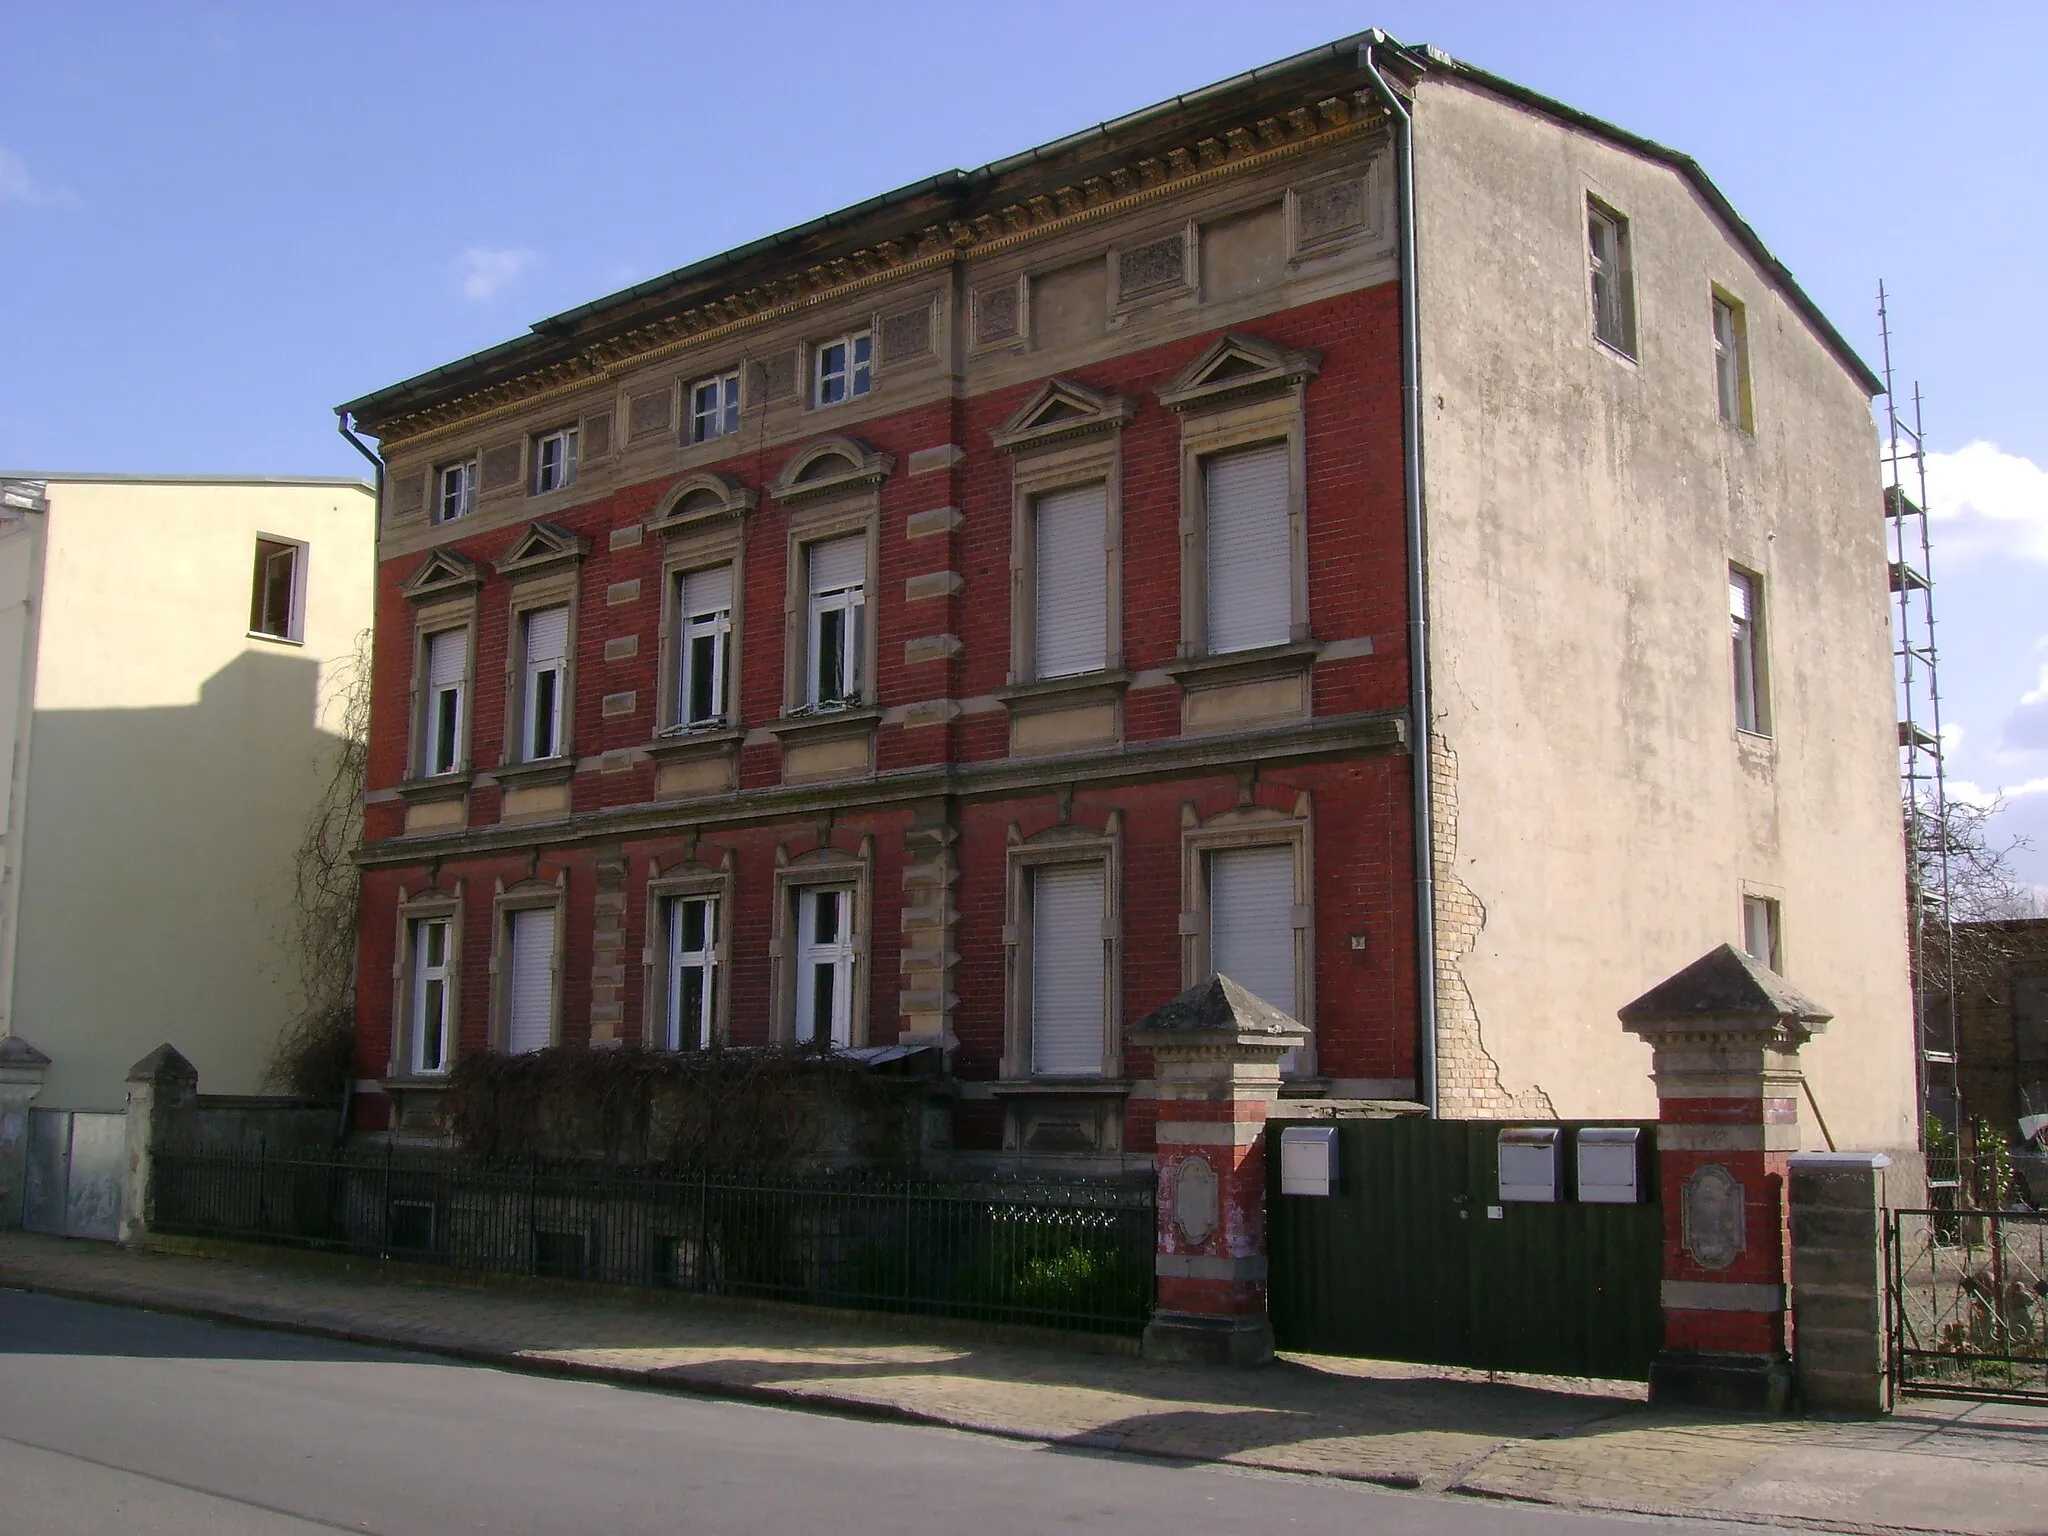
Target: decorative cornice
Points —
{"points": [[443, 572], [542, 546], [1235, 151], [1058, 410], [830, 466]]}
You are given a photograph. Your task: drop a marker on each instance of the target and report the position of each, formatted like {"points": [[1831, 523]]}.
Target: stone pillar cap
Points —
{"points": [[163, 1065], [17, 1052], [1726, 992], [1218, 1009]]}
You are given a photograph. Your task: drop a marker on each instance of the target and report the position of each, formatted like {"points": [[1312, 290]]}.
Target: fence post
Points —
{"points": [[1724, 1034], [1838, 1282], [1216, 1052], [21, 1078], [160, 1086]]}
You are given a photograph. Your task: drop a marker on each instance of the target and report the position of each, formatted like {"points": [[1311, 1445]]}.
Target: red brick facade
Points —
{"points": [[1357, 803]]}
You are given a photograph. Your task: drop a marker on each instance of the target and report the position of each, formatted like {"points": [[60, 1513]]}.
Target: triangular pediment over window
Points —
{"points": [[539, 546], [830, 466], [1236, 366], [444, 572], [1061, 409]]}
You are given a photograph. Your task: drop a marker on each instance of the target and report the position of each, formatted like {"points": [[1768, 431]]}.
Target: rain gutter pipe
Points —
{"points": [[345, 425]]}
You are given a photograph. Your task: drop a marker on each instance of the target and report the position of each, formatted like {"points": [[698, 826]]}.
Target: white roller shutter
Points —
{"points": [[547, 636], [1072, 528], [447, 658], [838, 563], [1250, 564], [1251, 922], [531, 988], [1066, 971], [707, 592], [1740, 598]]}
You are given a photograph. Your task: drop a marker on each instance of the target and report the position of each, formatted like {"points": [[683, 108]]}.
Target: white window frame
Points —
{"points": [[559, 474], [722, 418], [1746, 622], [294, 550], [850, 602], [1763, 926], [431, 738], [841, 954], [1731, 361], [556, 668], [1063, 847], [456, 484], [1610, 261], [420, 975], [675, 1029], [715, 626], [853, 375]]}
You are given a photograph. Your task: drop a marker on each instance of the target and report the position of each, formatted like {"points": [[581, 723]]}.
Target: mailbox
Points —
{"points": [[1528, 1164], [1609, 1164], [1308, 1160]]}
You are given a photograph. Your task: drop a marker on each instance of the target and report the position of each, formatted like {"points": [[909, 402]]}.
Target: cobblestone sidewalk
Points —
{"points": [[1940, 1466]]}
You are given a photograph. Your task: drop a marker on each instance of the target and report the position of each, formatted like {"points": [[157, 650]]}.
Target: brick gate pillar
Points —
{"points": [[1216, 1053], [1725, 1035]]}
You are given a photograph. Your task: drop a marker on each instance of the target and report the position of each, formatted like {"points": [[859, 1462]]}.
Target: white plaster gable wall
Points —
{"points": [[174, 760], [1582, 515]]}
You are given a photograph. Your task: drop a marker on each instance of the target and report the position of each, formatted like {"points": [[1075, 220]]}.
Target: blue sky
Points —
{"points": [[218, 221]]}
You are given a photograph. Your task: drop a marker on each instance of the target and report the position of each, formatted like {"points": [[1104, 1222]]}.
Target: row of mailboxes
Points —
{"points": [[1608, 1168]]}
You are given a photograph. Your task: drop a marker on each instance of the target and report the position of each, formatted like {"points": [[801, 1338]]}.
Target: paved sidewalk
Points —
{"points": [[1940, 1466]]}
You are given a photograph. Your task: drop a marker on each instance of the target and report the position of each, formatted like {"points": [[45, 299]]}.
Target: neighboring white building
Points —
{"points": [[173, 652]]}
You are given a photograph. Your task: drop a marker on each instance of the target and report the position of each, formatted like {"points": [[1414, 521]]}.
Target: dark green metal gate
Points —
{"points": [[1416, 1257]]}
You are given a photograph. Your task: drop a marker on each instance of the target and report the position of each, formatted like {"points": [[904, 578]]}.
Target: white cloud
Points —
{"points": [[487, 273], [2026, 728], [1986, 501], [17, 186]]}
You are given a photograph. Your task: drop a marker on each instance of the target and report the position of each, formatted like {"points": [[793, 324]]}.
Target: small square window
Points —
{"points": [[274, 607], [455, 494], [1611, 259], [715, 407], [1761, 940], [1731, 362], [843, 369], [554, 461]]}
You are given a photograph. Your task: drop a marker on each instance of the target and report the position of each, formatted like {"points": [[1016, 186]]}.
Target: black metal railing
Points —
{"points": [[1067, 1253], [1969, 1302]]}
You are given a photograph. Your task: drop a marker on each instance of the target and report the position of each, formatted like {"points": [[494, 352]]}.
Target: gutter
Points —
{"points": [[1420, 734]]}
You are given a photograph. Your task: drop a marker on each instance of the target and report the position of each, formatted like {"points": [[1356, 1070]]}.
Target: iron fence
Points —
{"points": [[1067, 1253], [1969, 1302]]}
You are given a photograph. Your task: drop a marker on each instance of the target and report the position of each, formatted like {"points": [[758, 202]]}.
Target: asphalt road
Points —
{"points": [[115, 1421]]}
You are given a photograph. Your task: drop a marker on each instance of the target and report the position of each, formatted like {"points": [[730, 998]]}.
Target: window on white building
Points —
{"points": [[1611, 260], [1070, 534], [1249, 556], [547, 661], [554, 461], [1067, 1023], [1731, 362], [692, 972], [1760, 936], [431, 954], [842, 369], [274, 608], [715, 407], [1745, 629], [836, 573], [447, 672], [824, 964]]}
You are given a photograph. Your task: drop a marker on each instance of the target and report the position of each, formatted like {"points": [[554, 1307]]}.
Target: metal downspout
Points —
{"points": [[1418, 592], [344, 425]]}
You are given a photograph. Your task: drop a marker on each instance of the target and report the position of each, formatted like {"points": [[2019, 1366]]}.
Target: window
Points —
{"points": [[1614, 303], [836, 571], [530, 980], [1760, 938], [715, 407], [843, 369], [1746, 642], [824, 965], [457, 492], [1069, 535], [1249, 562], [1731, 362], [704, 623], [1067, 1024], [447, 672], [431, 952], [554, 461], [692, 971], [547, 660], [274, 607]]}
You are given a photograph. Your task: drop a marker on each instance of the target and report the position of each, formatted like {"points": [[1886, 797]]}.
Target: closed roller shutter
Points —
{"points": [[1066, 972], [1251, 922], [838, 563], [447, 658], [547, 636], [532, 986], [1250, 567], [707, 592], [1071, 531]]}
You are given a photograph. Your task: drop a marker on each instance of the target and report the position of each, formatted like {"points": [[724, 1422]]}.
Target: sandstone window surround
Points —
{"points": [[454, 490], [555, 459], [444, 593], [842, 368], [543, 565], [1065, 685], [832, 490], [1273, 942], [527, 933], [1044, 1017], [1610, 270], [702, 526], [795, 946], [1245, 651], [426, 983], [665, 961], [715, 406]]}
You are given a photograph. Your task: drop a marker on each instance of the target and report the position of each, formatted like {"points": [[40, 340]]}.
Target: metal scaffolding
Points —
{"points": [[1923, 783]]}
